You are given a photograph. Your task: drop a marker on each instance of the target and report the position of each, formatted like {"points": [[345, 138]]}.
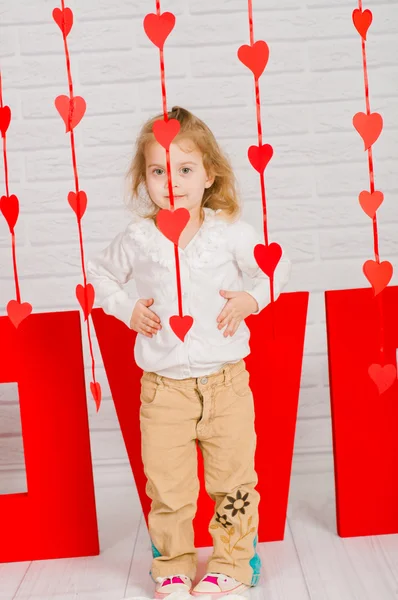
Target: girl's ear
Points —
{"points": [[209, 181]]}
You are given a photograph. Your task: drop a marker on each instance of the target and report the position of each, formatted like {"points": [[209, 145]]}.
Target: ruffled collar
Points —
{"points": [[204, 244]]}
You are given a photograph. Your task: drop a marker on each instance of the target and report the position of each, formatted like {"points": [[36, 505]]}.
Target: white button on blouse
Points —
{"points": [[214, 259]]}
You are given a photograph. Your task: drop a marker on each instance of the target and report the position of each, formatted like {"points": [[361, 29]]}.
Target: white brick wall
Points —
{"points": [[311, 89]]}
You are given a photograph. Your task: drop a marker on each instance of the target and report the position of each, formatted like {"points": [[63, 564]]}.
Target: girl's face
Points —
{"points": [[188, 175]]}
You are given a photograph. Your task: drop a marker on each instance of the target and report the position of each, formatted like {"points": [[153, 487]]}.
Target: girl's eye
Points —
{"points": [[155, 170]]}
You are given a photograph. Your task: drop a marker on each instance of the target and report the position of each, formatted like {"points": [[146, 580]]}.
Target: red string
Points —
{"points": [[170, 185]]}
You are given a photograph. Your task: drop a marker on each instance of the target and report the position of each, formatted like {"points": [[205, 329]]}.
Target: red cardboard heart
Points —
{"points": [[362, 21], [268, 257], [9, 206], [370, 202], [80, 295], [64, 19], [96, 393], [259, 156], [369, 127], [378, 274], [181, 325], [72, 109], [17, 312], [172, 222], [254, 57], [78, 203], [159, 27], [5, 119], [165, 131], [383, 376]]}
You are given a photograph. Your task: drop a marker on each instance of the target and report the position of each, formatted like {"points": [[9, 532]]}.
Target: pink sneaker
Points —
{"points": [[172, 583], [217, 584]]}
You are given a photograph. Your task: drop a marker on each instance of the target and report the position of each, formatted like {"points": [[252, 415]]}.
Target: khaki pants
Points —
{"points": [[218, 411]]}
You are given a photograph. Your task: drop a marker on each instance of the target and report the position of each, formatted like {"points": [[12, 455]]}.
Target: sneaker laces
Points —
{"points": [[161, 579]]}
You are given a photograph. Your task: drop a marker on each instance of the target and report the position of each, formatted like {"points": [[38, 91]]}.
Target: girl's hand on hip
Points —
{"points": [[143, 320], [239, 306]]}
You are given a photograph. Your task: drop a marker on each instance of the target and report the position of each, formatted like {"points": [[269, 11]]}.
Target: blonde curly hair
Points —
{"points": [[222, 194]]}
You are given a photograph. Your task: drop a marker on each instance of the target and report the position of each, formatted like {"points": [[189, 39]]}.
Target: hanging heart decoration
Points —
{"points": [[362, 21], [72, 109], [64, 19], [17, 310], [369, 127], [170, 222], [9, 206], [158, 27]]}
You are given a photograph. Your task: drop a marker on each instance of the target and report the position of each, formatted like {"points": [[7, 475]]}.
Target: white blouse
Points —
{"points": [[214, 260]]}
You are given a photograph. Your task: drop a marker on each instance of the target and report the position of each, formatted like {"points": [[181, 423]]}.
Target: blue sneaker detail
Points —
{"points": [[255, 564]]}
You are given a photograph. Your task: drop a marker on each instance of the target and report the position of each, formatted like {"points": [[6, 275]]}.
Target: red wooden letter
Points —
{"points": [[56, 517], [365, 440]]}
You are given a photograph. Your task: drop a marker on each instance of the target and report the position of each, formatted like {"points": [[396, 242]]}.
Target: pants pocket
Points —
{"points": [[149, 391], [240, 383]]}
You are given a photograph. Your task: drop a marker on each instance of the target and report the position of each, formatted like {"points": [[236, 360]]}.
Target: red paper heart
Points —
{"points": [[383, 376], [80, 295], [181, 325], [259, 156], [17, 312], [77, 107], [172, 222], [165, 131], [378, 274], [369, 127], [267, 257], [370, 202], [254, 57], [78, 202], [64, 19], [362, 21], [159, 27], [9, 206], [96, 392], [5, 119]]}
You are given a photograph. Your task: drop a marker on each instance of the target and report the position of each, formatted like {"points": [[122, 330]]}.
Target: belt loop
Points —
{"points": [[227, 374], [159, 379]]}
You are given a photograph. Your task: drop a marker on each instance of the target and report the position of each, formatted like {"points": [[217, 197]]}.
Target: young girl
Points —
{"points": [[197, 389]]}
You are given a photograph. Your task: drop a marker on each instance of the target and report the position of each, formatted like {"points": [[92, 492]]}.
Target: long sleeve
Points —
{"points": [[245, 243], [107, 272]]}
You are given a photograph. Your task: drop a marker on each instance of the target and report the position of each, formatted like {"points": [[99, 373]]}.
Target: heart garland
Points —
{"points": [[255, 57], [369, 126], [72, 109], [171, 222], [17, 310]]}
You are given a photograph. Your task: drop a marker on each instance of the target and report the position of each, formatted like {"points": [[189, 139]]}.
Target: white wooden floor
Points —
{"points": [[311, 563]]}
